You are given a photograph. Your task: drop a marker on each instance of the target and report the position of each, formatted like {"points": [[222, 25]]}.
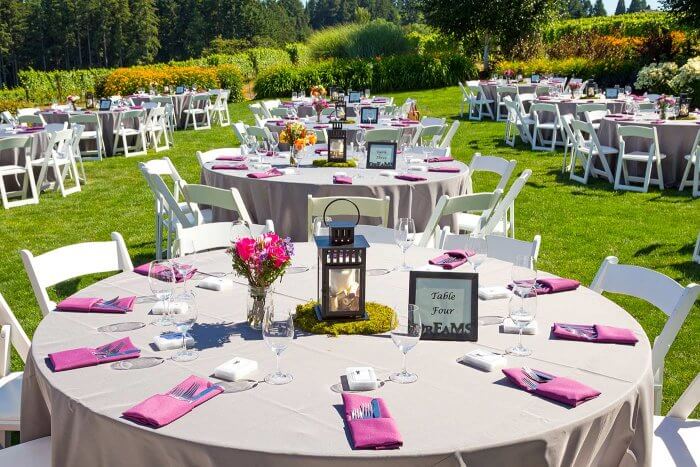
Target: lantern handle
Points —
{"points": [[336, 200]]}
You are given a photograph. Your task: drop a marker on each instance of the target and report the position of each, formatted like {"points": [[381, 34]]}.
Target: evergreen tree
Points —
{"points": [[637, 6], [142, 35], [686, 11], [599, 9], [620, 8]]}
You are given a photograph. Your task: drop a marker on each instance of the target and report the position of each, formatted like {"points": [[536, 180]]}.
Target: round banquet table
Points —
{"points": [[40, 142], [452, 414], [676, 138], [568, 106], [489, 88], [180, 103], [283, 199]]}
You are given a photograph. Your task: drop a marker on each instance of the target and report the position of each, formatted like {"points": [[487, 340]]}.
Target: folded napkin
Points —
{"points": [[439, 159], [231, 158], [371, 433], [509, 327], [366, 126], [320, 127], [214, 283], [137, 107], [270, 173], [85, 356], [555, 284], [96, 305], [658, 122], [229, 167], [451, 259], [564, 390], [173, 307], [171, 340], [400, 125], [162, 409], [143, 270], [451, 169], [544, 98], [320, 151], [411, 178], [594, 333], [615, 115], [342, 180]]}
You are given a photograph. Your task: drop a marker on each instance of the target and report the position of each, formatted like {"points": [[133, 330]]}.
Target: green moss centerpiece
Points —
{"points": [[324, 163], [379, 321]]}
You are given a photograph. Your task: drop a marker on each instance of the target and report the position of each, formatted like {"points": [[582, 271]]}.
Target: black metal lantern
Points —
{"points": [[341, 270], [90, 100], [591, 89], [337, 143], [683, 105]]}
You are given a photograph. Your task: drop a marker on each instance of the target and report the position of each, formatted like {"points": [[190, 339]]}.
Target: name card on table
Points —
{"points": [[612, 93], [448, 304], [534, 79], [179, 89], [105, 104], [337, 144], [369, 115], [381, 156]]}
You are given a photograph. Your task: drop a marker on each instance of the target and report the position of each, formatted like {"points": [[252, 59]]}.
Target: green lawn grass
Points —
{"points": [[580, 225]]}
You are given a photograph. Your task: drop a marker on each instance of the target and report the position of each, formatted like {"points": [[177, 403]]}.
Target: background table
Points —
{"points": [[180, 103], [40, 142], [489, 88], [452, 410], [284, 199], [568, 106], [676, 138]]}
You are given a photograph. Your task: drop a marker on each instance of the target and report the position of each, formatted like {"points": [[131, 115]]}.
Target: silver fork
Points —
{"points": [[183, 394], [111, 352], [529, 382], [537, 376], [361, 412]]}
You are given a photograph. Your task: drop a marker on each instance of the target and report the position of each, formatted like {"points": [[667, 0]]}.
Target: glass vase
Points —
{"points": [[257, 299]]}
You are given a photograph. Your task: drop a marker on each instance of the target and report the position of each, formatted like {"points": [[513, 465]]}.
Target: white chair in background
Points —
{"points": [[28, 194], [369, 207], [230, 200], [213, 236], [693, 164], [284, 112], [447, 138], [28, 111], [219, 109], [381, 135], [31, 119], [464, 101], [502, 218], [491, 164], [240, 130], [268, 105], [537, 111], [157, 129], [696, 251], [677, 437], [659, 290], [7, 118], [72, 261], [587, 150], [498, 246], [74, 146], [207, 156], [59, 158], [477, 102], [130, 124], [593, 113], [55, 127], [518, 123], [450, 205], [259, 114], [261, 134], [432, 121], [569, 142], [94, 134], [501, 109], [199, 106], [652, 158], [424, 135]]}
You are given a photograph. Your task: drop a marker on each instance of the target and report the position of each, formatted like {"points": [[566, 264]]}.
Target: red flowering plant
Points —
{"points": [[509, 73], [261, 260]]}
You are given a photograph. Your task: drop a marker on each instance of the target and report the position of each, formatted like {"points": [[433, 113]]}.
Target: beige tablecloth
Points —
{"points": [[568, 106], [40, 142], [180, 103], [490, 92], [284, 199], [452, 414]]}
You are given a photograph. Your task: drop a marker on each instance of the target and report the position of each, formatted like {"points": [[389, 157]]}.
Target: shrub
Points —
{"points": [[11, 103], [594, 46], [44, 87], [129, 80], [299, 54], [376, 38], [688, 79], [265, 58], [633, 24], [230, 77], [426, 41], [656, 77], [605, 72]]}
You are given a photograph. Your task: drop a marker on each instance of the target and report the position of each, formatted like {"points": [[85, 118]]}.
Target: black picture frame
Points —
{"points": [[535, 78], [105, 104], [373, 115], [612, 93], [179, 90], [354, 97], [431, 290], [337, 145], [376, 149]]}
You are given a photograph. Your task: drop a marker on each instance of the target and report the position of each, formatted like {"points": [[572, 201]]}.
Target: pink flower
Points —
{"points": [[245, 248], [278, 254]]}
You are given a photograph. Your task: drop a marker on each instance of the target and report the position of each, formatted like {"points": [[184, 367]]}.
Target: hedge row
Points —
{"points": [[632, 24], [604, 72], [45, 87], [396, 73], [250, 62], [128, 80]]}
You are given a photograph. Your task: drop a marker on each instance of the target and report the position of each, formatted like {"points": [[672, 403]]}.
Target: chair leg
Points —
{"points": [[686, 172], [660, 174], [618, 172], [647, 176]]}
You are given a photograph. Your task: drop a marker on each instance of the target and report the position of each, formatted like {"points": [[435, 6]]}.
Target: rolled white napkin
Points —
{"points": [[215, 283], [235, 369], [172, 307], [287, 170], [509, 327], [340, 174], [417, 168], [171, 340], [388, 173], [494, 292]]}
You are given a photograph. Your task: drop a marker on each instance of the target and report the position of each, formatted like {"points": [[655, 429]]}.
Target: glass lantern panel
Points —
{"points": [[344, 290]]}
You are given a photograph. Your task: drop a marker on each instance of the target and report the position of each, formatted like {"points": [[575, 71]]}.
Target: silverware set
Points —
{"points": [[113, 303], [534, 378], [189, 393], [587, 332], [368, 410], [448, 260], [112, 350]]}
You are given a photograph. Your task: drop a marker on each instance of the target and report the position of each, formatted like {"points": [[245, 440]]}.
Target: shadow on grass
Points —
{"points": [[646, 250], [689, 269]]}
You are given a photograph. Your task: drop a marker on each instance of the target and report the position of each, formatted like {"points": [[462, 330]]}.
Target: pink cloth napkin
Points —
{"points": [[564, 390], [231, 158], [594, 333], [554, 285], [320, 127], [400, 125], [229, 167], [439, 159], [371, 433], [96, 305], [615, 115], [320, 151], [366, 126], [459, 258], [162, 409], [658, 122], [270, 173], [143, 270], [342, 180], [85, 356], [450, 169], [411, 178]]}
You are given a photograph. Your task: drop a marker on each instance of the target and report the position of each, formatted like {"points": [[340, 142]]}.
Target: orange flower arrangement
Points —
{"points": [[296, 133], [317, 91]]}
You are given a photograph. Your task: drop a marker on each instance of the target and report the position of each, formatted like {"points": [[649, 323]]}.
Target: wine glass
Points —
{"points": [[522, 309], [405, 235], [360, 138], [524, 273], [628, 90], [478, 245], [405, 334], [274, 143], [278, 332], [183, 266], [161, 279], [184, 315], [239, 229]]}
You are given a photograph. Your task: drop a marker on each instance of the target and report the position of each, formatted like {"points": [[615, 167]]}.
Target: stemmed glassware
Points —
{"points": [[184, 317], [522, 309], [405, 143], [360, 138], [274, 144], [523, 273], [183, 266], [405, 235], [278, 332], [161, 279], [405, 334], [478, 245], [239, 229]]}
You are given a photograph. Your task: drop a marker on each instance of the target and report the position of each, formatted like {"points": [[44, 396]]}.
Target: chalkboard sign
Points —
{"points": [[448, 304], [612, 93], [535, 78], [105, 104], [369, 115], [381, 156], [354, 97], [179, 89]]}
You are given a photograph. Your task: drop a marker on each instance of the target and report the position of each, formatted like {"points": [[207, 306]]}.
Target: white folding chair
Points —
{"points": [[383, 135], [28, 111], [537, 111], [11, 335], [204, 157], [593, 113], [35, 453], [693, 164], [31, 119], [659, 290], [130, 124], [55, 127], [59, 158], [449, 205], [518, 123], [213, 236], [261, 134], [7, 118], [501, 109], [491, 164], [464, 101], [652, 158], [498, 246], [259, 114], [447, 139], [268, 105], [71, 261], [74, 146], [92, 132], [477, 102], [157, 129], [369, 207], [501, 220], [569, 142], [425, 134], [205, 195], [219, 110], [199, 106], [587, 151], [240, 130], [432, 121], [696, 251], [28, 194], [676, 436]]}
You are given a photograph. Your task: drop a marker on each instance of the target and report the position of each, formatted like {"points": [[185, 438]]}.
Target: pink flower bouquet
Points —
{"points": [[261, 260]]}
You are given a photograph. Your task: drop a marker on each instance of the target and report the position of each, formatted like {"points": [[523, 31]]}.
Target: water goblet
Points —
{"points": [[278, 332], [239, 229], [405, 235], [405, 334], [183, 266], [184, 316], [161, 279], [523, 273], [477, 244], [522, 309]]}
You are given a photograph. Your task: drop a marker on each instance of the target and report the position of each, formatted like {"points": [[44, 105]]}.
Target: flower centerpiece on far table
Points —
{"points": [[262, 261], [319, 103], [573, 87], [72, 99], [317, 91], [509, 74], [298, 137], [664, 102]]}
